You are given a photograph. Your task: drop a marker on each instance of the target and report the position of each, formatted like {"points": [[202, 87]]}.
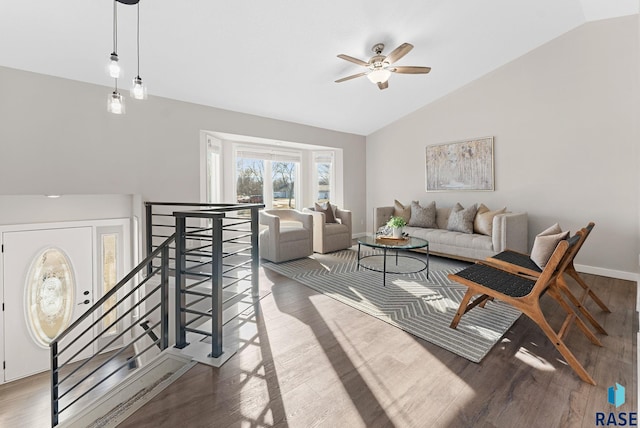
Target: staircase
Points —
{"points": [[171, 309]]}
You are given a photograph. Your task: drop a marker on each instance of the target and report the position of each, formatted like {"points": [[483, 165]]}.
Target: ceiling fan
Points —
{"points": [[379, 66]]}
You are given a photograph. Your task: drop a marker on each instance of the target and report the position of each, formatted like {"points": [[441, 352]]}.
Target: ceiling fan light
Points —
{"points": [[138, 89], [379, 75], [115, 103]]}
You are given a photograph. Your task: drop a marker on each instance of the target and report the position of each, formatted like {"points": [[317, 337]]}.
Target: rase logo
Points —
{"points": [[615, 397]]}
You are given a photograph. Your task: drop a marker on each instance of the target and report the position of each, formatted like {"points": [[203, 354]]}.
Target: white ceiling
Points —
{"points": [[277, 58]]}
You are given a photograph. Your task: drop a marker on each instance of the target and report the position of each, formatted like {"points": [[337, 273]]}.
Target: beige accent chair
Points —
{"points": [[329, 237], [289, 235]]}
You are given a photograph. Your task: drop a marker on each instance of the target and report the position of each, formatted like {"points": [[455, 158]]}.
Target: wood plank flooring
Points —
{"points": [[307, 360], [27, 402]]}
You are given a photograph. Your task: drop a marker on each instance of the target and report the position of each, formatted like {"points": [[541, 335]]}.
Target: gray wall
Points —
{"points": [[25, 209], [565, 122], [56, 137], [564, 118]]}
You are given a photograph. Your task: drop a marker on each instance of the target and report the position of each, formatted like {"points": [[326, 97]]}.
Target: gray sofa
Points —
{"points": [[510, 231]]}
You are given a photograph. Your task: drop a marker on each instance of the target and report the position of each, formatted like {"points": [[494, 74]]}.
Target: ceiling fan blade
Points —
{"points": [[353, 76], [407, 69], [353, 60], [399, 52], [383, 85]]}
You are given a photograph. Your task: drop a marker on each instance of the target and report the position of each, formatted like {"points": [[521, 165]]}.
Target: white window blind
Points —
{"points": [[272, 155], [323, 157]]}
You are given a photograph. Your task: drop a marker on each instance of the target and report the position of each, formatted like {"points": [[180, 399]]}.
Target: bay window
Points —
{"points": [[279, 174]]}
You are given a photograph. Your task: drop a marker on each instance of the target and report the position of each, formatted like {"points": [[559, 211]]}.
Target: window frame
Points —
{"points": [[318, 157], [305, 189], [269, 155]]}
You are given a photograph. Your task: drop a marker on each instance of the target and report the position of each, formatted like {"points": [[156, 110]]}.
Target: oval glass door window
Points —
{"points": [[49, 295]]}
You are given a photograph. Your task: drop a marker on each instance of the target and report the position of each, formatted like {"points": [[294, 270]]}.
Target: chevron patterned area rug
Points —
{"points": [[420, 306]]}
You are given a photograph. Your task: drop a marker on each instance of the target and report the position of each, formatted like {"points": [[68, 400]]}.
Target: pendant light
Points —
{"points": [[138, 89], [115, 102], [114, 66]]}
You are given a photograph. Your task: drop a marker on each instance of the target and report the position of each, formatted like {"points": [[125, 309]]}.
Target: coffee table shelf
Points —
{"points": [[394, 244]]}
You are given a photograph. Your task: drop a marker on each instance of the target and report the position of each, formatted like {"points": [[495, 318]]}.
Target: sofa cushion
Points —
{"points": [[461, 219], [289, 234], [335, 229], [423, 216], [546, 243], [439, 239], [327, 209], [399, 210], [483, 223]]}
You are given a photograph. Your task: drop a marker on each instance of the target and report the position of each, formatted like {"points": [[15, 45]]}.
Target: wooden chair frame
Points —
{"points": [[529, 304], [571, 271], [566, 266]]}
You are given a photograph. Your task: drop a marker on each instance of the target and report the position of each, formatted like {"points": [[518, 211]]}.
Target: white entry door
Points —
{"points": [[48, 277]]}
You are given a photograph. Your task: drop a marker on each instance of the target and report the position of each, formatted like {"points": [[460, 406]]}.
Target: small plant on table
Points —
{"points": [[396, 222]]}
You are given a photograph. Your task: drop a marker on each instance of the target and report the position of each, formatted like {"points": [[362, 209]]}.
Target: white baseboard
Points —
{"points": [[611, 273]]}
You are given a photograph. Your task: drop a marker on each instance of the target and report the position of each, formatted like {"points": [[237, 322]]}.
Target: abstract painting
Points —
{"points": [[460, 165]]}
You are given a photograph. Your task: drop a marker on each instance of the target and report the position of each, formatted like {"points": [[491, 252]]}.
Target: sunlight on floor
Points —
{"points": [[326, 267], [383, 387], [533, 360], [486, 333]]}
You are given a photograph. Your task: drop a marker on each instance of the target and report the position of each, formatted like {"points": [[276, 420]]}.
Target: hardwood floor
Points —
{"points": [[27, 402], [307, 360]]}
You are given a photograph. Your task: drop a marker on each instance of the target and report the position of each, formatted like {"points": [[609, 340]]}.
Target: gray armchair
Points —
{"points": [[329, 237], [289, 235]]}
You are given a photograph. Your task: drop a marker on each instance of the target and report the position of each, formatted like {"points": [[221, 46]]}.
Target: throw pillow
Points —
{"points": [[423, 216], [461, 219], [546, 243], [442, 217], [400, 210], [326, 208], [483, 222]]}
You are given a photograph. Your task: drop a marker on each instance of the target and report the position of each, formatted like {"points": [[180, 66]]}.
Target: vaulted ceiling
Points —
{"points": [[277, 58]]}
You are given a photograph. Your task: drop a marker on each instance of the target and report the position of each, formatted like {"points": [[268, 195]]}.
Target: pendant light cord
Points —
{"points": [[115, 36], [115, 27], [138, 38]]}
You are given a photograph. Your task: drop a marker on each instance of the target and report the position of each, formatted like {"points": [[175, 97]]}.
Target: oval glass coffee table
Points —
{"points": [[385, 244]]}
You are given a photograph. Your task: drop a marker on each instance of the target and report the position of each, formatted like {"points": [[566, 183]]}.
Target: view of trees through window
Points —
{"points": [[251, 185], [323, 170], [284, 179]]}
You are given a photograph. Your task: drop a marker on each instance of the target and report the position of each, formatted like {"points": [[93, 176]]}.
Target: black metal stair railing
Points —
{"points": [[71, 380], [211, 250], [215, 260]]}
